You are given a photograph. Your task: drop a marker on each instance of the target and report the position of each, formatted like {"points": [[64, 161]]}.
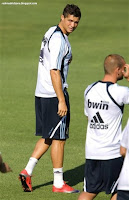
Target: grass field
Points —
{"points": [[103, 29]]}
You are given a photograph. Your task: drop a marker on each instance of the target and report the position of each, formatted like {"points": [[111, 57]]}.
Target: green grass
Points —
{"points": [[103, 29]]}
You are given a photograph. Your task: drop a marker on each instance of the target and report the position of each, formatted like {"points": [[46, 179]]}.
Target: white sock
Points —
{"points": [[30, 165], [58, 177]]}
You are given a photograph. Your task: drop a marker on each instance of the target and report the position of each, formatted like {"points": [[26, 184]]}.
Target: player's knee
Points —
{"points": [[82, 196], [58, 142], [86, 196]]}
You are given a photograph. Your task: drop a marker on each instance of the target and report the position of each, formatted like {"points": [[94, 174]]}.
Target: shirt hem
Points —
{"points": [[102, 158], [123, 188], [45, 95]]}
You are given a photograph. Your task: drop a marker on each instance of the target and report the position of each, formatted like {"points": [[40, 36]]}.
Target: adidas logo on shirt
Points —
{"points": [[98, 123]]}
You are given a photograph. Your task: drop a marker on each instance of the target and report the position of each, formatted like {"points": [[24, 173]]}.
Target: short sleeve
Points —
{"points": [[85, 102], [120, 94], [125, 137], [57, 50]]}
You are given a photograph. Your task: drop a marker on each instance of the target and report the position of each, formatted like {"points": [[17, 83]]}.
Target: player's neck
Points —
{"points": [[109, 78], [63, 29]]}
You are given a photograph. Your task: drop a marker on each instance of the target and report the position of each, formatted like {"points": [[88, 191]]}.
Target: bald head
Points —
{"points": [[112, 62]]}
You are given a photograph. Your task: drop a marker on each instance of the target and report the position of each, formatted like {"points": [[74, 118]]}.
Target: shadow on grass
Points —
{"points": [[72, 177], [42, 185]]}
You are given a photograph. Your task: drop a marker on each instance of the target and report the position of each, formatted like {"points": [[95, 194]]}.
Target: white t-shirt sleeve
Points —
{"points": [[56, 48], [120, 94], [123, 179], [124, 141], [85, 104]]}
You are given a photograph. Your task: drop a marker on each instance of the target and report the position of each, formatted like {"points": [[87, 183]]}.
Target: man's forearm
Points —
{"points": [[57, 85]]}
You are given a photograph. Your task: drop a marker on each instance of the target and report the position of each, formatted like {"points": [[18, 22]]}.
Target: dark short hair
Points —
{"points": [[72, 9]]}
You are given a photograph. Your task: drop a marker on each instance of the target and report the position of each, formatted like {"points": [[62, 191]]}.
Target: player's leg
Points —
{"points": [[41, 147], [57, 153], [86, 196], [25, 175], [59, 136], [114, 197], [57, 157]]}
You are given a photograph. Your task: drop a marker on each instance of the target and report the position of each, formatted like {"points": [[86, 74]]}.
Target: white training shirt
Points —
{"points": [[55, 53], [124, 175], [104, 103]]}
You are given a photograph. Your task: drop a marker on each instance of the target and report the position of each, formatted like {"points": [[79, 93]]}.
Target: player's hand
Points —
{"points": [[62, 109], [126, 71]]}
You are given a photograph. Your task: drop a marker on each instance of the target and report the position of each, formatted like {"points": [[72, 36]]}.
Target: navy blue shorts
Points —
{"points": [[122, 195], [101, 175], [48, 123]]}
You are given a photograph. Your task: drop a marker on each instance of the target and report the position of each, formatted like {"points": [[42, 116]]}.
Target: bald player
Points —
{"points": [[104, 102]]}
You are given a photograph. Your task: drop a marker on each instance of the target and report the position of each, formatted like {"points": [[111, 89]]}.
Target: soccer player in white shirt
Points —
{"points": [[104, 103], [123, 185], [52, 100]]}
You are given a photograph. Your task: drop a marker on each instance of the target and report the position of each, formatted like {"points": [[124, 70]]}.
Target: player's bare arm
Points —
{"points": [[57, 84], [126, 71]]}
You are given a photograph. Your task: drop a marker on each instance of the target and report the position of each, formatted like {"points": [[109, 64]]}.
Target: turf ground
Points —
{"points": [[103, 29]]}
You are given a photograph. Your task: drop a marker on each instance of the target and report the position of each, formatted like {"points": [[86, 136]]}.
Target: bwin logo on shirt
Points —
{"points": [[102, 105], [98, 123]]}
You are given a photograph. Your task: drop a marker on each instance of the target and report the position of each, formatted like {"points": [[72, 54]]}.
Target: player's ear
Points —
{"points": [[62, 17], [118, 71]]}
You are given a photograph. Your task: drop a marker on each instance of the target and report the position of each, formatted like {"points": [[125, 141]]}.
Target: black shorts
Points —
{"points": [[122, 195], [48, 123], [101, 175]]}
